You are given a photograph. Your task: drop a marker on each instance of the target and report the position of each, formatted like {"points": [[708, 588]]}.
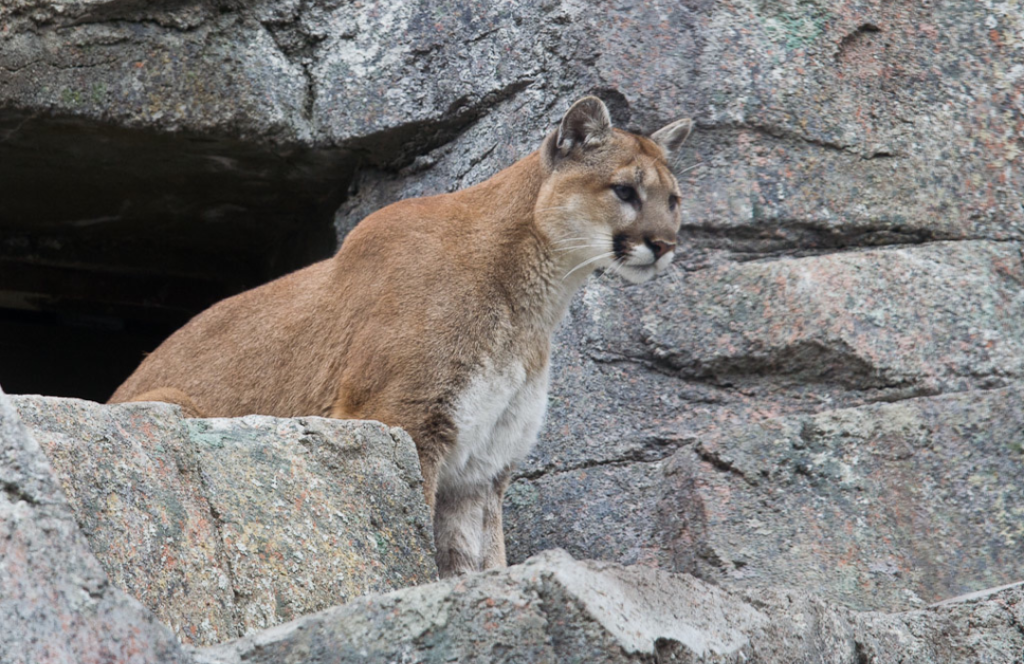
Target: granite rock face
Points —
{"points": [[823, 394], [222, 527], [56, 603], [831, 377], [555, 609], [887, 505], [849, 423], [824, 125]]}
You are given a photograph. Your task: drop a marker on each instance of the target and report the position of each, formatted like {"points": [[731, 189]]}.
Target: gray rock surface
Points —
{"points": [[849, 423], [824, 125], [222, 527], [824, 394], [555, 609], [852, 240], [56, 603], [888, 505]]}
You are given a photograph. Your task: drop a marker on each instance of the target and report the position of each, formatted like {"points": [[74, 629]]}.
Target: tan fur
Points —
{"points": [[421, 296]]}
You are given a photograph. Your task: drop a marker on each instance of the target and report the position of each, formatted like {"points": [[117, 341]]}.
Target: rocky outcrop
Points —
{"points": [[823, 395], [848, 423], [223, 527], [555, 609], [58, 605], [56, 602], [823, 125]]}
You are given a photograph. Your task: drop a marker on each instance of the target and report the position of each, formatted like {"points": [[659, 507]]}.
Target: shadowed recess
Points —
{"points": [[111, 238]]}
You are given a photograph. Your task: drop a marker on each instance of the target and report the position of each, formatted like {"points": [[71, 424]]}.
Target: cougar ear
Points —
{"points": [[586, 124], [672, 136]]}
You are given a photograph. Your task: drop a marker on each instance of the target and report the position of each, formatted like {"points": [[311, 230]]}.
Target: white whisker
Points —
{"points": [[667, 273], [595, 236], [614, 268], [588, 262], [578, 239], [570, 244], [562, 250], [690, 168], [672, 267]]}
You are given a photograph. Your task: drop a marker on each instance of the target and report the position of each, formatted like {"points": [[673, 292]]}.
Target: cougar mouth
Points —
{"points": [[637, 263]]}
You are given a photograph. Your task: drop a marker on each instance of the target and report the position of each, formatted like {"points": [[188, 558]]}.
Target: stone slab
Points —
{"points": [[556, 609], [56, 603], [226, 526], [885, 506]]}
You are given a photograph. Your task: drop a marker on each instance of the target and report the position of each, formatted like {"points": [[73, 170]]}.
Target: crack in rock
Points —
{"points": [[652, 449]]}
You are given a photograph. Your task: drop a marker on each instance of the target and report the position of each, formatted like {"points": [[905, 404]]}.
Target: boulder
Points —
{"points": [[555, 609], [222, 526], [56, 603]]}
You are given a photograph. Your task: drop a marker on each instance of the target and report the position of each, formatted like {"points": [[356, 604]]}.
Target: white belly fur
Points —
{"points": [[498, 417]]}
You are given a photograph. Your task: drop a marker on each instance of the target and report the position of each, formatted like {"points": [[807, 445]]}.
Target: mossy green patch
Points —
{"points": [[71, 97], [795, 30], [98, 92]]}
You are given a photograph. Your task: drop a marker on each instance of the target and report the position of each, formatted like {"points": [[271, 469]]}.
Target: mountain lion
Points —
{"points": [[436, 315]]}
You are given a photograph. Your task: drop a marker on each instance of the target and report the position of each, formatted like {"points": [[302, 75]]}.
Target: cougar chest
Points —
{"points": [[497, 417]]}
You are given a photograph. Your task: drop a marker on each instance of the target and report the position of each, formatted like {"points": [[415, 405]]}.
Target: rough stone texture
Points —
{"points": [[754, 476], [56, 603], [551, 609], [823, 124], [321, 73], [942, 317], [981, 627], [222, 527], [555, 609], [831, 376]]}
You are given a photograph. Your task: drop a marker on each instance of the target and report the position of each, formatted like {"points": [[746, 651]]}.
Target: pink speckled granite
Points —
{"points": [[57, 605], [849, 423], [226, 526]]}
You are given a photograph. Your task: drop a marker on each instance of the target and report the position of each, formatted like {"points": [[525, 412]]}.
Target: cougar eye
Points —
{"points": [[625, 193], [673, 201]]}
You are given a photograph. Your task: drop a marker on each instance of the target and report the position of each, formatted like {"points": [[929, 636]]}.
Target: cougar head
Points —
{"points": [[610, 200]]}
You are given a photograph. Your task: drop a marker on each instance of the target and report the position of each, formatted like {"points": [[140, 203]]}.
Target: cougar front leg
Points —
{"points": [[494, 533], [458, 529]]}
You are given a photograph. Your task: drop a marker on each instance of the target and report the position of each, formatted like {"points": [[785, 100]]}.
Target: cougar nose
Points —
{"points": [[660, 247]]}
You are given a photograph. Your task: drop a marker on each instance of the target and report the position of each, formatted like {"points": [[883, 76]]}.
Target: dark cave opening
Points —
{"points": [[60, 354], [111, 239]]}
